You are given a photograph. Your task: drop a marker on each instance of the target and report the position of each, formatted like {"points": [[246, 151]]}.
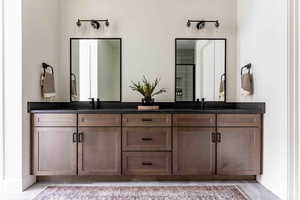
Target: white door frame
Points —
{"points": [[293, 155], [1, 95]]}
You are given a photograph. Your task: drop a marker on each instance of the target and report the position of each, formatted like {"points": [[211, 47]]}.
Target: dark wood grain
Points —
{"points": [[147, 139], [204, 120], [147, 120], [147, 163], [193, 151], [99, 151], [55, 120], [244, 120], [88, 120], [238, 153], [54, 151]]}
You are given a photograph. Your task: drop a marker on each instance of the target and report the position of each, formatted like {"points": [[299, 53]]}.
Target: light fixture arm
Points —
{"points": [[95, 23], [201, 23]]}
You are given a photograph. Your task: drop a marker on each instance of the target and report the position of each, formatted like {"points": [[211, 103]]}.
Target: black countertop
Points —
{"points": [[123, 108]]}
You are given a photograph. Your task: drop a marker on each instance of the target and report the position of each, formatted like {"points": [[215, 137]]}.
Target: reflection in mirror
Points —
{"points": [[95, 69], [200, 69]]}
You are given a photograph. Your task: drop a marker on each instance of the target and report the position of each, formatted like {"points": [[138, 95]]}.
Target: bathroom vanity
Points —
{"points": [[172, 142], [110, 138]]}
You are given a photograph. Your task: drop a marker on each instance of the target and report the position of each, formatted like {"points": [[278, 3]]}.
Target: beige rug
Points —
{"points": [[230, 192]]}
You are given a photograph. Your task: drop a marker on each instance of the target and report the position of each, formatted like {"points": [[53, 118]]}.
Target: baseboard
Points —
{"points": [[17, 185], [82, 179], [12, 186], [28, 181]]}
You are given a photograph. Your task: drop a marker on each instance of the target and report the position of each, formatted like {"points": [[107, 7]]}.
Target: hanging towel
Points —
{"points": [[222, 89], [48, 85], [247, 84], [73, 86]]}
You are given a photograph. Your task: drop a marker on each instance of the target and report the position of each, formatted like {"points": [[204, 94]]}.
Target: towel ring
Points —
{"points": [[248, 67], [73, 76], [45, 66], [223, 77]]}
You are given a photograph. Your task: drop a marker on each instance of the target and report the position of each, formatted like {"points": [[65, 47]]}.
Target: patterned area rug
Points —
{"points": [[230, 192]]}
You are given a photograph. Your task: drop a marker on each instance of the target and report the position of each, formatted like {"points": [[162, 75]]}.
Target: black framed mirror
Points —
{"points": [[96, 69], [200, 69]]}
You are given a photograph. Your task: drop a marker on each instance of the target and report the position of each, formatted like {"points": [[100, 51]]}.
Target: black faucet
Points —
{"points": [[202, 103], [92, 102], [98, 103]]}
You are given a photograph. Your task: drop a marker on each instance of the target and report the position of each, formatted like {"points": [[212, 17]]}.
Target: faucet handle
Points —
{"points": [[92, 99]]}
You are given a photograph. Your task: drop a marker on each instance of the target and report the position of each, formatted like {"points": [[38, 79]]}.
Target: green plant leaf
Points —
{"points": [[147, 88]]}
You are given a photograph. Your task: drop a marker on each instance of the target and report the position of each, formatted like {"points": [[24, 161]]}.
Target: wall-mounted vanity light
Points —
{"points": [[94, 23], [200, 24]]}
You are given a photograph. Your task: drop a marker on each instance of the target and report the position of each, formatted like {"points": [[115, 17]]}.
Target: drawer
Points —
{"points": [[147, 163], [55, 120], [243, 120], [147, 139], [99, 120], [204, 120], [147, 120]]}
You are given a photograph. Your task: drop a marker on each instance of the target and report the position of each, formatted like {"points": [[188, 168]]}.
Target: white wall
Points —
{"points": [[262, 40], [40, 44], [12, 94], [148, 29]]}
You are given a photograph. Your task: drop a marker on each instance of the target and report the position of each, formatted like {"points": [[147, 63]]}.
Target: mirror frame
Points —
{"points": [[177, 39], [83, 38]]}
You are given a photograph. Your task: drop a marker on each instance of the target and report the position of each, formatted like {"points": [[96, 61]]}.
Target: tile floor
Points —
{"points": [[253, 189]]}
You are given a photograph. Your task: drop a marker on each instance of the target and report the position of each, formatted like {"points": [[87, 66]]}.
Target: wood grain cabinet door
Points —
{"points": [[55, 151], [99, 151], [238, 151], [193, 151]]}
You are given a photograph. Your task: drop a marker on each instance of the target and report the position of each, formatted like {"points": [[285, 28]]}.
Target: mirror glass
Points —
{"points": [[95, 69], [200, 69]]}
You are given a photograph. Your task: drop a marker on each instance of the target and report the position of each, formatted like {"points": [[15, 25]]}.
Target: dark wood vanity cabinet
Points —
{"points": [[99, 151], [222, 144], [194, 151], [61, 147], [142, 144], [54, 144], [55, 153], [147, 144], [239, 145]]}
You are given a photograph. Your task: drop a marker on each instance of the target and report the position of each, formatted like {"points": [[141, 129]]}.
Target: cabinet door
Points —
{"points": [[55, 151], [99, 151], [194, 151], [238, 151]]}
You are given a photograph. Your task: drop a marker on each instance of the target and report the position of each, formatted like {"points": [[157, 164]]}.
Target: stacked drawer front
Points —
{"points": [[146, 144]]}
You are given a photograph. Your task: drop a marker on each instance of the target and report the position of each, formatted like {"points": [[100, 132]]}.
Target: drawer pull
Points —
{"points": [[80, 137], [219, 138], [146, 163], [147, 120], [74, 137], [147, 139]]}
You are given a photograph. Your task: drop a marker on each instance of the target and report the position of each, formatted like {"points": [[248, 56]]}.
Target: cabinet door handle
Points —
{"points": [[219, 138], [146, 163], [80, 137], [147, 120], [74, 137], [147, 139], [213, 137]]}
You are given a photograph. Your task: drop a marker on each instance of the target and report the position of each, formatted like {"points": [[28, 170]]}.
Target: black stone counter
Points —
{"points": [[123, 108]]}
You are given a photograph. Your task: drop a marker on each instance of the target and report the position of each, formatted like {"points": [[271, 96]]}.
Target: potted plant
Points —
{"points": [[147, 89]]}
